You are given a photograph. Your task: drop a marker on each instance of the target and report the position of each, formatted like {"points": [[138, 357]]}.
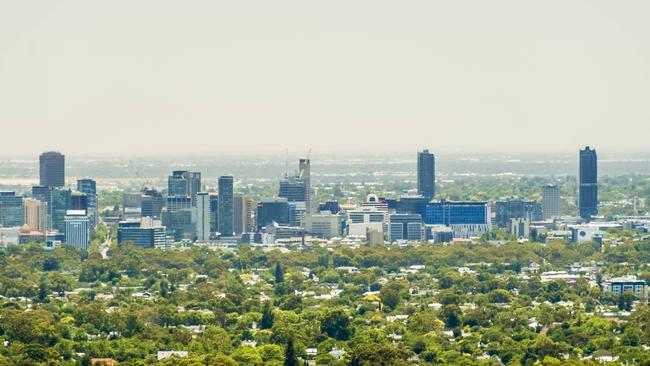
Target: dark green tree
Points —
{"points": [[290, 358], [279, 273], [267, 316]]}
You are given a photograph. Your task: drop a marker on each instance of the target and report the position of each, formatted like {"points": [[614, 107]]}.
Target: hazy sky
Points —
{"points": [[199, 76]]}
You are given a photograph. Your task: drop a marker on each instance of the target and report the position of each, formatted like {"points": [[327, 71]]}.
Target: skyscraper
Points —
{"points": [[203, 216], [225, 215], [550, 201], [52, 169], [89, 188], [11, 209], [36, 214], [241, 213], [304, 168], [152, 203], [588, 201], [426, 174]]}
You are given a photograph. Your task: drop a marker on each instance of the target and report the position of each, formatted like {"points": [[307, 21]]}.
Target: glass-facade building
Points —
{"points": [[11, 209], [272, 210], [60, 205], [148, 237], [588, 200], [405, 227], [426, 174], [89, 188], [517, 209], [466, 219], [226, 215], [52, 169]]}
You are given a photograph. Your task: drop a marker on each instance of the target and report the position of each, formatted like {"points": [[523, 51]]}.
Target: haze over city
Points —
{"points": [[464, 76]]}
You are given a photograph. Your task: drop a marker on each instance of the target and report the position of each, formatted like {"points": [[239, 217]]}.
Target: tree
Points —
{"points": [[625, 300], [390, 296], [451, 315], [279, 273], [336, 324], [267, 316], [290, 358]]}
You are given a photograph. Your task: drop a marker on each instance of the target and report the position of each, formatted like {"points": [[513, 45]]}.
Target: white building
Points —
{"points": [[77, 229], [550, 202], [325, 224], [202, 216]]}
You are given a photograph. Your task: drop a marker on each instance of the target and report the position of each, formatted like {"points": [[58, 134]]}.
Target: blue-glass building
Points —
{"points": [[60, 203], [466, 219], [89, 188], [588, 201], [11, 210], [272, 210], [52, 169], [405, 227], [226, 215], [148, 237], [426, 174]]}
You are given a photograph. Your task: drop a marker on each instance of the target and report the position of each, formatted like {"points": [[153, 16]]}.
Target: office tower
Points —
{"points": [[588, 201], [426, 174], [517, 209], [203, 216], [270, 211], [11, 209], [78, 201], [60, 203], [52, 169], [214, 212], [152, 203], [177, 203], [77, 229], [243, 212], [89, 188], [36, 214], [304, 168], [550, 201], [184, 183], [226, 216], [144, 237], [466, 219], [405, 227]]}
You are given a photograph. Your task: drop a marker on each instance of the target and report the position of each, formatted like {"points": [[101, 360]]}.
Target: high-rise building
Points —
{"points": [[184, 183], [272, 210], [226, 216], [179, 224], [203, 216], [214, 212], [588, 201], [243, 212], [152, 203], [11, 209], [297, 211], [42, 193], [293, 188], [304, 171], [550, 202], [60, 203], [426, 174], [36, 214], [466, 219], [89, 188], [52, 169], [331, 206], [77, 229]]}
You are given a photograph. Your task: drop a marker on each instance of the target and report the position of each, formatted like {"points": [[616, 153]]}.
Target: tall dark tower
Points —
{"points": [[304, 167], [426, 174], [226, 210], [52, 169], [588, 202]]}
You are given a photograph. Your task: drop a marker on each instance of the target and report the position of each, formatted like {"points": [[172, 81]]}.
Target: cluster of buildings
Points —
{"points": [[187, 213], [53, 213]]}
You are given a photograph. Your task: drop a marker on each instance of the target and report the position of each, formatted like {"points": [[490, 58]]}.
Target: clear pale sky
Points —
{"points": [[200, 76]]}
